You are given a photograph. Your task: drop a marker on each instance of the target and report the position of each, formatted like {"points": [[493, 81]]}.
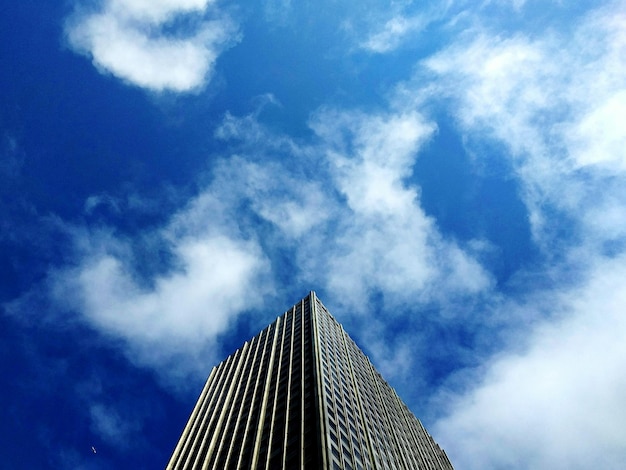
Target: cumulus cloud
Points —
{"points": [[132, 39], [215, 272], [559, 402], [179, 311]]}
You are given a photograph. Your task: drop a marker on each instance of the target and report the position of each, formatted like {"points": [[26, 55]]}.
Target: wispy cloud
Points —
{"points": [[135, 41], [355, 221], [404, 24], [552, 101], [383, 241], [110, 426], [393, 33], [553, 397]]}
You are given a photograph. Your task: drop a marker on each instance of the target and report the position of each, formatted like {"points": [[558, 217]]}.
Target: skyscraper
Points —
{"points": [[302, 395]]}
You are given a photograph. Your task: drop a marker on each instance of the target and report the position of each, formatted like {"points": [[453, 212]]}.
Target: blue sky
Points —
{"points": [[447, 176]]}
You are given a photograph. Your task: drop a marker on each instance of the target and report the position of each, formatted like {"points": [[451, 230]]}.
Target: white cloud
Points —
{"points": [[404, 23], [382, 151], [111, 427], [557, 399], [179, 312], [500, 84], [560, 402], [553, 102], [127, 38], [384, 241], [156, 11], [599, 138], [101, 200], [393, 33], [355, 224], [295, 205]]}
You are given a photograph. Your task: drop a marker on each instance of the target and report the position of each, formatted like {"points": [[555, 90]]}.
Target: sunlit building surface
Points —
{"points": [[302, 395]]}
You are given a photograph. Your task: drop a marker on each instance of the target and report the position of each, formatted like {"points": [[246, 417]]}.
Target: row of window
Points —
{"points": [[362, 409], [231, 410]]}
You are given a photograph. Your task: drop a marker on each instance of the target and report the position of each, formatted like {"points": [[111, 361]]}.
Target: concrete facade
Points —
{"points": [[302, 395]]}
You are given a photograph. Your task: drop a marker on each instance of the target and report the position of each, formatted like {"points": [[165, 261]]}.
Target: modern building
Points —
{"points": [[302, 395]]}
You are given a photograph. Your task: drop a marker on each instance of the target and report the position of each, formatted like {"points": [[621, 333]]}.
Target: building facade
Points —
{"points": [[302, 395]]}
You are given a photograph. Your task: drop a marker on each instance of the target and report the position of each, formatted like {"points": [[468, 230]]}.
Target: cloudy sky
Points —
{"points": [[448, 176]]}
